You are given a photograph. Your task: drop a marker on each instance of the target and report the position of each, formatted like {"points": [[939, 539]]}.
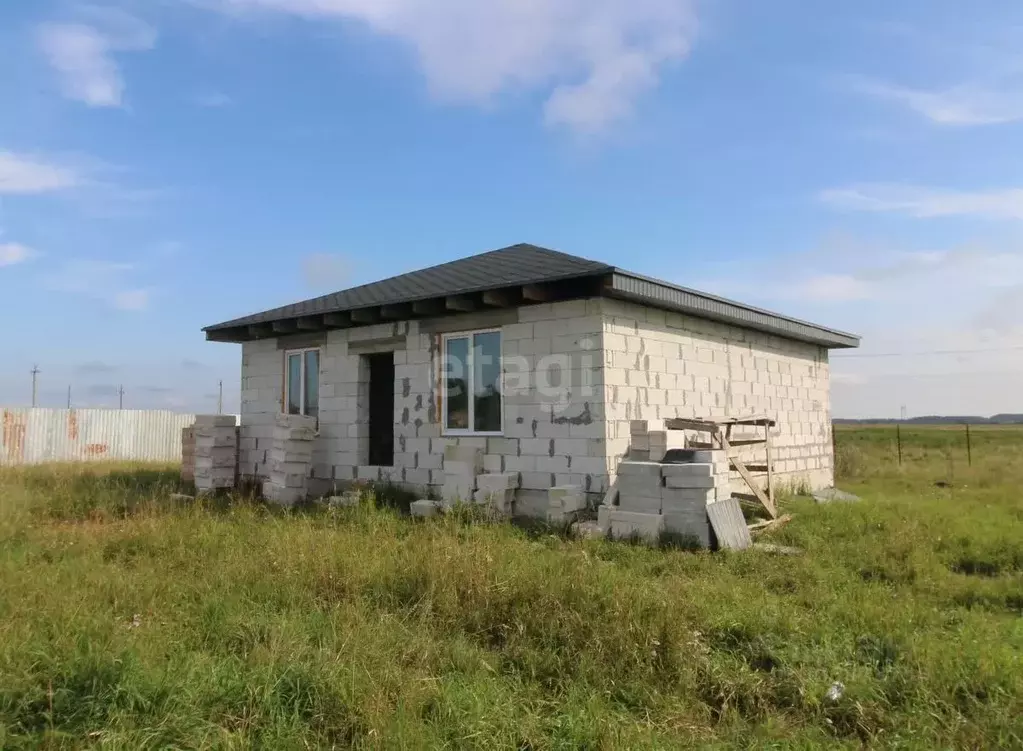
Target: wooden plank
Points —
{"points": [[681, 423], [734, 443], [749, 420], [739, 467], [729, 524], [758, 468], [764, 500], [771, 524], [770, 462]]}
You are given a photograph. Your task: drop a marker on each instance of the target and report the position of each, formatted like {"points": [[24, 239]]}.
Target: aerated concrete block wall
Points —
{"points": [[553, 407], [575, 374], [660, 364]]}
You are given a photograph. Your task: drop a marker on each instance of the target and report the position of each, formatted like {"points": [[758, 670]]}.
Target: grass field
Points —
{"points": [[129, 622]]}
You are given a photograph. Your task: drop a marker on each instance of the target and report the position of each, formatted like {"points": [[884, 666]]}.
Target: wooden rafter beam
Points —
{"points": [[365, 315], [459, 303], [394, 312], [499, 298], [310, 323], [287, 326], [260, 330], [536, 293], [428, 307], [337, 320]]}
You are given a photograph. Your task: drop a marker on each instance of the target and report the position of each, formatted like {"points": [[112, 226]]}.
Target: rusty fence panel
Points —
{"points": [[35, 435]]}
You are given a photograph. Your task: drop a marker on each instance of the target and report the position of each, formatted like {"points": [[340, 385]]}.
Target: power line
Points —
{"points": [[928, 352]]}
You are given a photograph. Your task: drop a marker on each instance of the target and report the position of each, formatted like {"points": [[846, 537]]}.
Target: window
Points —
{"points": [[472, 383], [302, 382]]}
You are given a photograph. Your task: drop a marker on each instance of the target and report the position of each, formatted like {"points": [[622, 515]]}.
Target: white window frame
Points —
{"points": [[287, 377], [470, 366]]}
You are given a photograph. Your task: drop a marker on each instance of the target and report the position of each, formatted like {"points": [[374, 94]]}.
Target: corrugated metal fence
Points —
{"points": [[35, 435]]}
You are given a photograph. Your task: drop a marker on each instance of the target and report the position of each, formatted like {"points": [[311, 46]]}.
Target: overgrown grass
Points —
{"points": [[129, 621]]}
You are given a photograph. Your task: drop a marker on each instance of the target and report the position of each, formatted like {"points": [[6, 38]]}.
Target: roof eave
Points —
{"points": [[641, 289]]}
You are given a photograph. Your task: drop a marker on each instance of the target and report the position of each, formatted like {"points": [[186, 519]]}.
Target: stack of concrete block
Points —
{"points": [[497, 490], [648, 441], [564, 502], [462, 465], [215, 452], [290, 459], [188, 454], [654, 498]]}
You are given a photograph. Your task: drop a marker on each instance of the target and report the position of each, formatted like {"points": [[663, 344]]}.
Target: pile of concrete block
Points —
{"points": [[649, 441], [462, 465], [214, 452], [497, 491], [655, 498], [291, 457], [188, 455], [564, 502]]}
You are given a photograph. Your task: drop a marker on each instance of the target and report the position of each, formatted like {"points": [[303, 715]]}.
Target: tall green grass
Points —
{"points": [[130, 621]]}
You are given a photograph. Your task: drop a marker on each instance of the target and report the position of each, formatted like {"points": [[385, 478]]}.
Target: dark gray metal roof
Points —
{"points": [[507, 267], [522, 265]]}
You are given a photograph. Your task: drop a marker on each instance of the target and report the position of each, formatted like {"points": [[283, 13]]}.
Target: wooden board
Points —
{"points": [[736, 442], [739, 467], [729, 524]]}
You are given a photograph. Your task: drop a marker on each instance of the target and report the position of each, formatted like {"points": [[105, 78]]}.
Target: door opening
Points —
{"points": [[381, 409]]}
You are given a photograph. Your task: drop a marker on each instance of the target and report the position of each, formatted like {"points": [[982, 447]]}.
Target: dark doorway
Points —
{"points": [[381, 409]]}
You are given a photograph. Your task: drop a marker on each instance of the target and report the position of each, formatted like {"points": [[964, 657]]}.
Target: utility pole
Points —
{"points": [[69, 396], [35, 373], [220, 397], [120, 397]]}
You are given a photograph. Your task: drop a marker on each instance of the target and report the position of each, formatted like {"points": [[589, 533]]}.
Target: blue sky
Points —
{"points": [[172, 163]]}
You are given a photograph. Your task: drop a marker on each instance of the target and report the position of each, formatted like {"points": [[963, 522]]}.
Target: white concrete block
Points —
{"points": [[425, 508], [691, 481], [215, 421], [626, 524], [639, 503], [639, 469]]}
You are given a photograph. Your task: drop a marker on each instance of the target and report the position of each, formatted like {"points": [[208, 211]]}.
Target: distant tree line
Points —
{"points": [[1000, 419]]}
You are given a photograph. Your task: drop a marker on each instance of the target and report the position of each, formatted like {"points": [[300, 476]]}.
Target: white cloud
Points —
{"points": [[131, 299], [593, 58], [833, 288], [14, 253], [83, 54], [106, 281], [324, 271], [924, 203], [26, 174], [963, 105]]}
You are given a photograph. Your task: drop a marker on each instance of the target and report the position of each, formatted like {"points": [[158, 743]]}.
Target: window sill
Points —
{"points": [[470, 434]]}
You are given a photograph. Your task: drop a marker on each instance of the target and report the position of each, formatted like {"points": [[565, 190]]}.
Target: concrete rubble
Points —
{"points": [[291, 457], [214, 452]]}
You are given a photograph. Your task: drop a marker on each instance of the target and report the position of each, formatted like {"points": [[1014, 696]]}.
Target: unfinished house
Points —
{"points": [[535, 362]]}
